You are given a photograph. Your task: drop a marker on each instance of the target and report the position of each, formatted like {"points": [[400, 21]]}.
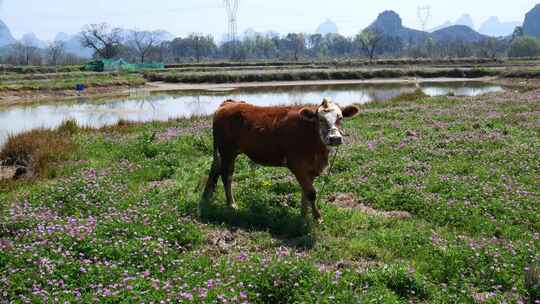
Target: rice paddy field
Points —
{"points": [[47, 83], [431, 200]]}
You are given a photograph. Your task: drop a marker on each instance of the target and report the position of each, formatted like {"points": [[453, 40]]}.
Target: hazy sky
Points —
{"points": [[47, 17]]}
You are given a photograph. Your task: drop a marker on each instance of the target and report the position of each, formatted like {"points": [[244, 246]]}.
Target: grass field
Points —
{"points": [[432, 201], [235, 76], [66, 81]]}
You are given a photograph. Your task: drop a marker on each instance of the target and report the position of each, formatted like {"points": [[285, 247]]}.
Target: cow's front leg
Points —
{"points": [[312, 198], [309, 194]]}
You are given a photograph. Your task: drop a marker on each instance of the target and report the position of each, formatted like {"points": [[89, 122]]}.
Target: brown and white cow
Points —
{"points": [[294, 137]]}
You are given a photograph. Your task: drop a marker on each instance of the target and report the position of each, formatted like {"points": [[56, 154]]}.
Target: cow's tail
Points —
{"points": [[215, 172]]}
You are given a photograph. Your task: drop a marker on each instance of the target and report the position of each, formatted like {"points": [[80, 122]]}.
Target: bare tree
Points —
{"points": [[106, 42], [488, 48], [55, 51], [197, 45], [143, 42], [163, 51], [296, 44], [369, 41], [24, 53], [201, 46], [16, 54]]}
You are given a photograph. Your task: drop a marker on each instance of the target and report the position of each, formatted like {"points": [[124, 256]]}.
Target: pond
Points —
{"points": [[144, 107]]}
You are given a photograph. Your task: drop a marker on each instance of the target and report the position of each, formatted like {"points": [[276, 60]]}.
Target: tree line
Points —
{"points": [[154, 46]]}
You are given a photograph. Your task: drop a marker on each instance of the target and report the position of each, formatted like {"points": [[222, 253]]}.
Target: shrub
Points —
{"points": [[524, 47], [33, 152], [411, 96]]}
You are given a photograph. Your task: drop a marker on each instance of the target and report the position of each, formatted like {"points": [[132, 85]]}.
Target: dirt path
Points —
{"points": [[11, 98]]}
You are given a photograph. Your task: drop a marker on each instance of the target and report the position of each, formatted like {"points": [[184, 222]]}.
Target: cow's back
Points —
{"points": [[268, 135]]}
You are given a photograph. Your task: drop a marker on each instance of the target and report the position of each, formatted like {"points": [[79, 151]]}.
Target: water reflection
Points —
{"points": [[147, 107]]}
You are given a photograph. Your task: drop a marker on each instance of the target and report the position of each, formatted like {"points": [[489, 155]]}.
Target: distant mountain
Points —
{"points": [[458, 32], [61, 37], [32, 40], [446, 24], [465, 20], [494, 27], [73, 45], [531, 25], [390, 24], [327, 27], [5, 35], [165, 36]]}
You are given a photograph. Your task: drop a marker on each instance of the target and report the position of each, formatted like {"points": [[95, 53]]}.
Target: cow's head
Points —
{"points": [[328, 117]]}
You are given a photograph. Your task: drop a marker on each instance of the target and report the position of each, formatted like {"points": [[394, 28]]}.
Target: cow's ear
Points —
{"points": [[350, 111], [308, 114]]}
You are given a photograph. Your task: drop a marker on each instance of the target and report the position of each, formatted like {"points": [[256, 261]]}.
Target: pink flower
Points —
{"points": [[243, 295], [187, 296], [282, 252], [242, 257]]}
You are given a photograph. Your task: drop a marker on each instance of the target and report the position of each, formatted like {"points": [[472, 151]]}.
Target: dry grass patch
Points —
{"points": [[31, 154], [349, 201]]}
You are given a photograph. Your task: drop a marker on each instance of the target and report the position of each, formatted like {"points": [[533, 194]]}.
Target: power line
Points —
{"points": [[424, 16], [231, 7]]}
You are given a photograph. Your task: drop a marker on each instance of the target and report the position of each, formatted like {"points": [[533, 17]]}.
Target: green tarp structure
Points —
{"points": [[102, 65]]}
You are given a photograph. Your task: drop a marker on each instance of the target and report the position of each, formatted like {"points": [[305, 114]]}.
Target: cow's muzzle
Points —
{"points": [[334, 137], [335, 140]]}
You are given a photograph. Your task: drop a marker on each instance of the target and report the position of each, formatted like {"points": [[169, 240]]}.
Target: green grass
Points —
{"points": [[235, 76], [55, 82], [341, 62], [119, 222], [50, 76], [39, 69]]}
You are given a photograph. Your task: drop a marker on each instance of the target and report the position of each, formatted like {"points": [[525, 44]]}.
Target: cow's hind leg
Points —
{"points": [[227, 172]]}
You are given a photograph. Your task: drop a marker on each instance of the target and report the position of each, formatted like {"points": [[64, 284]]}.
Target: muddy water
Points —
{"points": [[162, 106]]}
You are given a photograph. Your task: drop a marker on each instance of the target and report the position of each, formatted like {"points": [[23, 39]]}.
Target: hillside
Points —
{"points": [[5, 35], [496, 28], [33, 40], [73, 45], [390, 24], [531, 25], [465, 20], [458, 32], [327, 27]]}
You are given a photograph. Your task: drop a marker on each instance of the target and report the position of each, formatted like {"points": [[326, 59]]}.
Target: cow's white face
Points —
{"points": [[329, 116]]}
